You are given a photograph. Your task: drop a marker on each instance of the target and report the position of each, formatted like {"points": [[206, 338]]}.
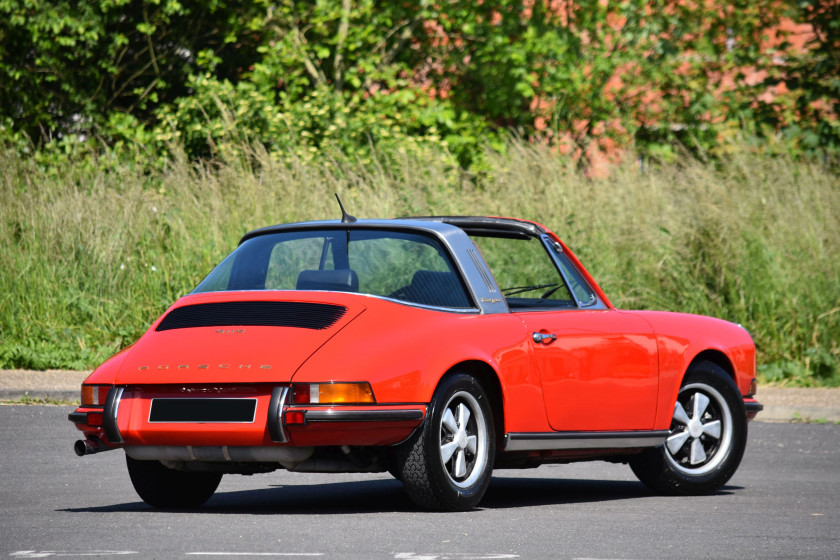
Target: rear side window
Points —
{"points": [[402, 265], [525, 272]]}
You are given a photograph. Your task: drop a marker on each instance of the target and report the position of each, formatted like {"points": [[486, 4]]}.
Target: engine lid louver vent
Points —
{"points": [[253, 313]]}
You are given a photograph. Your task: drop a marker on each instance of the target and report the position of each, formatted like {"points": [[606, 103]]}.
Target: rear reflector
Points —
{"points": [[203, 410], [296, 417]]}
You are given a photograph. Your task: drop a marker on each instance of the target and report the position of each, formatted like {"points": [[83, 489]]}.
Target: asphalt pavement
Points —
{"points": [[782, 503], [781, 404]]}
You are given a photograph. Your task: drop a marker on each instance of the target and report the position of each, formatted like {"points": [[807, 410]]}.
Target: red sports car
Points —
{"points": [[435, 348]]}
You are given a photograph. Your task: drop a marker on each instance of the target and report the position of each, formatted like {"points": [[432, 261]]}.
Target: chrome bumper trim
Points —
{"points": [[363, 415], [112, 406], [276, 429]]}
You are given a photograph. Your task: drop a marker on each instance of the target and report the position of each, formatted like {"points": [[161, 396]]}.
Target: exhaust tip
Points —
{"points": [[84, 447]]}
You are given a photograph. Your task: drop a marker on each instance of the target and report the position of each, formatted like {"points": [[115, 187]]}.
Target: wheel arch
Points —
{"points": [[716, 357], [676, 378], [489, 380]]}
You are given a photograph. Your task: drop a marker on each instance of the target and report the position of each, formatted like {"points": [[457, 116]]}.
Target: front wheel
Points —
{"points": [[162, 487], [707, 439], [446, 465]]}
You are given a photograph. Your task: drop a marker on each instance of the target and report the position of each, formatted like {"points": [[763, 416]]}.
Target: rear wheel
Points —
{"points": [[707, 439], [446, 465], [162, 487]]}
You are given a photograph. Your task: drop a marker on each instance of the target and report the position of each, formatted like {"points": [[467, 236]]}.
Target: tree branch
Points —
{"points": [[343, 29], [314, 71]]}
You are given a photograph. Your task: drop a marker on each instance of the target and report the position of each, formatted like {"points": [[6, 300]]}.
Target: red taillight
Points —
{"points": [[301, 393], [94, 418]]}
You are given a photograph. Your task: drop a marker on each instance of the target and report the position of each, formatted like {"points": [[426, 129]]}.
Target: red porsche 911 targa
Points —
{"points": [[436, 349]]}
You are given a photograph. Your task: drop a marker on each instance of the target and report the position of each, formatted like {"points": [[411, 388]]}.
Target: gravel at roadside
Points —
{"points": [[55, 385], [781, 404]]}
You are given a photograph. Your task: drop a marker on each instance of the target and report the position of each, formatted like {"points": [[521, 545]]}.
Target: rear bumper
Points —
{"points": [[126, 421], [753, 407], [340, 425]]}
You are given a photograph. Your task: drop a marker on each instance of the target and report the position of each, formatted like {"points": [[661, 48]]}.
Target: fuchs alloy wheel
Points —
{"points": [[707, 439], [162, 487], [446, 465]]}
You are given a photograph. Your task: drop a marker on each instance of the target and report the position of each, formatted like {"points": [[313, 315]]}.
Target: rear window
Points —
{"points": [[402, 265]]}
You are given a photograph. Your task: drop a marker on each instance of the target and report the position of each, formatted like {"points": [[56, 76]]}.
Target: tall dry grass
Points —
{"points": [[94, 252]]}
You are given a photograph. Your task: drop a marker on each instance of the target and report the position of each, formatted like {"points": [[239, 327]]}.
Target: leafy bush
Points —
{"points": [[67, 68], [588, 77]]}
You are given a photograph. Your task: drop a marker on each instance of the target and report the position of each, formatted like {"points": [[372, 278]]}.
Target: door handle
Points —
{"points": [[544, 338]]}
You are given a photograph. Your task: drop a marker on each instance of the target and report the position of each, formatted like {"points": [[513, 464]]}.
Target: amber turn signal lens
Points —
{"points": [[94, 395], [90, 396], [341, 393]]}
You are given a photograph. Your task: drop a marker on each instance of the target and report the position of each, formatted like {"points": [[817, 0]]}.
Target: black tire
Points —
{"points": [[707, 439], [162, 487], [447, 463]]}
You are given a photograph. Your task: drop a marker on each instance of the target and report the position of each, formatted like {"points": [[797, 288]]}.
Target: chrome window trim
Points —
{"points": [[554, 249], [459, 310]]}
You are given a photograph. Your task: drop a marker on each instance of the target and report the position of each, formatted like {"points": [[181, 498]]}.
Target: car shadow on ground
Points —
{"points": [[375, 496]]}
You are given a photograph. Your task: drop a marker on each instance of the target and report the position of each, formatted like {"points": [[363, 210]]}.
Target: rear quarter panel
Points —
{"points": [[682, 338]]}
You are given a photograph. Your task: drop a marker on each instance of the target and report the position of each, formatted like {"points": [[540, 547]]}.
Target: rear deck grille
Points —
{"points": [[253, 313]]}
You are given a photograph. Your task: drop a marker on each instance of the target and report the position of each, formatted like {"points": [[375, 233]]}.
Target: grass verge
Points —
{"points": [[94, 251]]}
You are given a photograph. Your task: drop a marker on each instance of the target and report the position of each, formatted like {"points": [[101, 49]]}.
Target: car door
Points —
{"points": [[599, 373], [597, 365]]}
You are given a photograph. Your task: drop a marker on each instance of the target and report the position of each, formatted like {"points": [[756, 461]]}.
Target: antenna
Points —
{"points": [[345, 217]]}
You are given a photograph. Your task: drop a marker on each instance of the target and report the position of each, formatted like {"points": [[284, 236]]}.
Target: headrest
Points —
{"points": [[344, 280]]}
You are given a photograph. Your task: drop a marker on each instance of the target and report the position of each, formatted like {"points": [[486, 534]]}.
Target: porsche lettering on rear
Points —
{"points": [[437, 349]]}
